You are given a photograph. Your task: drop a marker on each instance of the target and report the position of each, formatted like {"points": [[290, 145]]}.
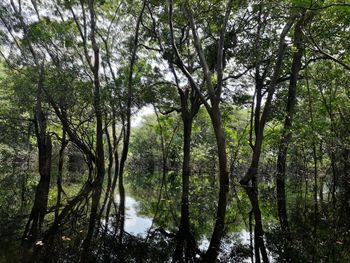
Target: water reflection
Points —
{"points": [[243, 236], [139, 225], [140, 210], [134, 223]]}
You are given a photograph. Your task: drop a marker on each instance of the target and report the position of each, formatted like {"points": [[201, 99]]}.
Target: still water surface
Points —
{"points": [[140, 225]]}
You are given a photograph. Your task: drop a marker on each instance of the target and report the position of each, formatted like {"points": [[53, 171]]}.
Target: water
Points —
{"points": [[134, 223]]}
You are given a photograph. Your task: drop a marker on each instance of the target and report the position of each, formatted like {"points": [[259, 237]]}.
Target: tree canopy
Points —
{"points": [[227, 122]]}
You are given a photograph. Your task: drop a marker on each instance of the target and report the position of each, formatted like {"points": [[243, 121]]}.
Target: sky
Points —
{"points": [[138, 117]]}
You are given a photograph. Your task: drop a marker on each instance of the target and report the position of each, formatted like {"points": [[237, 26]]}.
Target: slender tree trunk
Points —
{"points": [[44, 143], [286, 136], [346, 182], [109, 176], [126, 138], [184, 229], [249, 182], [121, 207], [116, 170], [252, 188], [121, 210], [36, 218], [251, 246], [214, 245], [38, 212], [60, 173], [100, 169], [26, 169], [253, 195]]}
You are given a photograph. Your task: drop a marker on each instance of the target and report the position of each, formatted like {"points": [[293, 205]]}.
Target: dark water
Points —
{"points": [[144, 216], [136, 224], [139, 225]]}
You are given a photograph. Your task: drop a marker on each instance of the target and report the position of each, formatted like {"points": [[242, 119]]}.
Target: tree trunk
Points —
{"points": [[60, 173], [249, 182], [214, 245], [100, 169], [109, 177], [36, 218], [127, 124], [253, 195], [184, 229], [116, 170], [286, 134], [38, 212]]}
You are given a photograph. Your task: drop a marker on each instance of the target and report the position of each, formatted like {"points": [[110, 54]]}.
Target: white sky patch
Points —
{"points": [[137, 119]]}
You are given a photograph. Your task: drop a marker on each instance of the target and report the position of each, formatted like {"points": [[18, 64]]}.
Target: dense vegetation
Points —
{"points": [[245, 156]]}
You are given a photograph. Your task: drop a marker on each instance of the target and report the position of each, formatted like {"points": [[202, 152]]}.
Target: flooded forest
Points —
{"points": [[177, 131]]}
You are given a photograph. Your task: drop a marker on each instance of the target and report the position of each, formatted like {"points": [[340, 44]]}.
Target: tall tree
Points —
{"points": [[43, 137], [299, 45], [249, 181], [214, 94]]}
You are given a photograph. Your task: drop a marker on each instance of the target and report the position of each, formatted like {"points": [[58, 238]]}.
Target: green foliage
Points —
{"points": [[76, 94]]}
